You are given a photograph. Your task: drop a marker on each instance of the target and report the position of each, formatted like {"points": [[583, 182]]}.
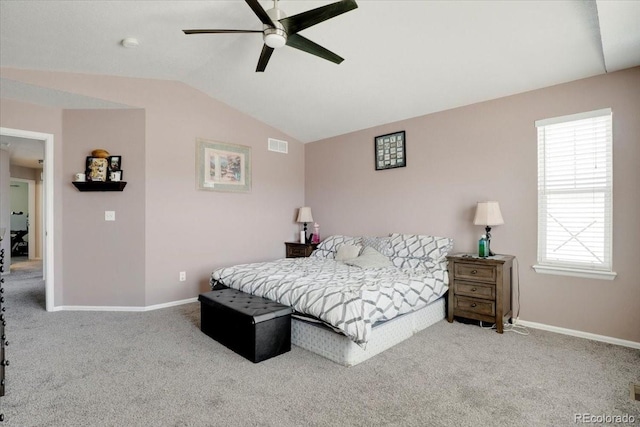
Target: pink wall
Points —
{"points": [[106, 267], [184, 229], [487, 151]]}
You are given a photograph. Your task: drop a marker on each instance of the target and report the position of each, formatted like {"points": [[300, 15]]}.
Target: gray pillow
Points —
{"points": [[380, 244], [370, 258]]}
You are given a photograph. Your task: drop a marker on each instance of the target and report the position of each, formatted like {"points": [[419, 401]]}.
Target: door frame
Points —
{"points": [[48, 184]]}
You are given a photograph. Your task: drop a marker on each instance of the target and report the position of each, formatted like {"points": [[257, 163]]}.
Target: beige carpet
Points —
{"points": [[158, 369]]}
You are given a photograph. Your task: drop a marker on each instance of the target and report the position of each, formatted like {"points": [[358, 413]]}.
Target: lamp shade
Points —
{"points": [[304, 215], [488, 213]]}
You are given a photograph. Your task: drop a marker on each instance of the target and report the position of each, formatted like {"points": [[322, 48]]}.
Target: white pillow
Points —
{"points": [[346, 252], [370, 258]]}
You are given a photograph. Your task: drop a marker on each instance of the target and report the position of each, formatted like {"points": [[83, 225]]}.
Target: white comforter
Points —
{"points": [[350, 299]]}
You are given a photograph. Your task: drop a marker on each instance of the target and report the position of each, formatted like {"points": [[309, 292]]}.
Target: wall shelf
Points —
{"points": [[100, 186]]}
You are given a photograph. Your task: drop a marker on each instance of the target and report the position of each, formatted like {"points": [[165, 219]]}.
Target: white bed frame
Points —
{"points": [[321, 340]]}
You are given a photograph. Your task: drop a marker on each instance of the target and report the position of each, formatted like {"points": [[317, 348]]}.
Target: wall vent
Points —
{"points": [[278, 146]]}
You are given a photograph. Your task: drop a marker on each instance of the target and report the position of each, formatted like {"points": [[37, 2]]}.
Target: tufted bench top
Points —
{"points": [[258, 308]]}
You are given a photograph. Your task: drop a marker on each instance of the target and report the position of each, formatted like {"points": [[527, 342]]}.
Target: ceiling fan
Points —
{"points": [[279, 30]]}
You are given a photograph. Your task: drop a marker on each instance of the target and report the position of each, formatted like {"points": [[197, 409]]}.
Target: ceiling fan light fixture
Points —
{"points": [[275, 38]]}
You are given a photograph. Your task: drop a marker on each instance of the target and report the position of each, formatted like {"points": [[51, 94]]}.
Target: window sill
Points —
{"points": [[566, 271]]}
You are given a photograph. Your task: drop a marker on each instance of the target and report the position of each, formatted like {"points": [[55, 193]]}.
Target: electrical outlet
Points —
{"points": [[183, 276], [109, 215]]}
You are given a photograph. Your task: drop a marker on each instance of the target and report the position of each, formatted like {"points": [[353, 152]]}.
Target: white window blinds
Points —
{"points": [[574, 191]]}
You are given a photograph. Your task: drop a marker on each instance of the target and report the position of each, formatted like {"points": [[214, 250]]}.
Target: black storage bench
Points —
{"points": [[252, 326]]}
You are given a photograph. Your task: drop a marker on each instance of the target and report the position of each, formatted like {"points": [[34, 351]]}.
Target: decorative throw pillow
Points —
{"points": [[419, 246], [370, 258], [346, 252], [418, 251], [380, 244], [329, 246]]}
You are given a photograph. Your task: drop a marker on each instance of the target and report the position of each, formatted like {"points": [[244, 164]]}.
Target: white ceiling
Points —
{"points": [[402, 58]]}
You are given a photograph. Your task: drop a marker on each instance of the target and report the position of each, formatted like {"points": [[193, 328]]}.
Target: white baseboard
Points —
{"points": [[580, 334], [123, 308]]}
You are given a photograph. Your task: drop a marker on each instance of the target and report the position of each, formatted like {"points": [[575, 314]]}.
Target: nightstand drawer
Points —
{"points": [[485, 273], [299, 250], [473, 305], [475, 290], [296, 251]]}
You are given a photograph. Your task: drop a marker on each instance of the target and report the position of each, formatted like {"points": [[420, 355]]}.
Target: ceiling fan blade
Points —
{"points": [[219, 31], [264, 58], [303, 20], [306, 45], [260, 12]]}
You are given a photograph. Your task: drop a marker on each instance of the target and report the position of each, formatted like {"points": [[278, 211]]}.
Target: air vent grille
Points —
{"points": [[278, 146]]}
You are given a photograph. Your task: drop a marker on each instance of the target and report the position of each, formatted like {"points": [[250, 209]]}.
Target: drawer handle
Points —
{"points": [[473, 304], [474, 271], [473, 289]]}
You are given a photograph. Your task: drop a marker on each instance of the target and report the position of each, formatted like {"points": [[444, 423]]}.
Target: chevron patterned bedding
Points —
{"points": [[350, 299]]}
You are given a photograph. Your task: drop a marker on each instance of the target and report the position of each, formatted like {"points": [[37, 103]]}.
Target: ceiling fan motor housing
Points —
{"points": [[275, 37]]}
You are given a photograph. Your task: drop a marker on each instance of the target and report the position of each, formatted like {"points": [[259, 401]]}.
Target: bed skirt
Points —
{"points": [[323, 341]]}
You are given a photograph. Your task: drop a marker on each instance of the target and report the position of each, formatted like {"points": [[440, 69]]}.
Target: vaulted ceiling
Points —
{"points": [[402, 58]]}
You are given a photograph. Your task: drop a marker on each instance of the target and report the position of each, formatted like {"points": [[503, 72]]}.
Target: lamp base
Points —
{"points": [[488, 234]]}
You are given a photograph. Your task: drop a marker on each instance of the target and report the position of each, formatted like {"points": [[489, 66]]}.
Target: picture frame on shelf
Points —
{"points": [[97, 169], [222, 166], [115, 163], [115, 176], [390, 150]]}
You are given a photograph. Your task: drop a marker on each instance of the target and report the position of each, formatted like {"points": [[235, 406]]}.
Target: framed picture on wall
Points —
{"points": [[390, 150], [97, 169], [223, 167]]}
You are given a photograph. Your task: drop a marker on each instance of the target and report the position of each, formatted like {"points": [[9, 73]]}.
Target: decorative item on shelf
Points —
{"points": [[115, 176], [390, 151], [100, 153], [103, 172], [115, 163], [315, 237], [304, 216], [97, 169], [488, 214]]}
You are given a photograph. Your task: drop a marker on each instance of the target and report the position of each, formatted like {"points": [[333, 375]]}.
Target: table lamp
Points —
{"points": [[488, 214], [304, 216]]}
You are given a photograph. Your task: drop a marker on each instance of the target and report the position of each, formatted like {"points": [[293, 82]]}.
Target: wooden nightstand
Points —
{"points": [[299, 250], [480, 288]]}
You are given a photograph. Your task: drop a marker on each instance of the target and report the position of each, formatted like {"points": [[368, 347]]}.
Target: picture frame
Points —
{"points": [[115, 175], [115, 163], [97, 169], [222, 166], [390, 150]]}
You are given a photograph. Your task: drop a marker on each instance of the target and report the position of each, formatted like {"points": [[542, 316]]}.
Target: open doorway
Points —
{"points": [[45, 222], [26, 213]]}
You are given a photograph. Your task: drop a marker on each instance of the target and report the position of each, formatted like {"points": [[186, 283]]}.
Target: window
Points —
{"points": [[574, 195]]}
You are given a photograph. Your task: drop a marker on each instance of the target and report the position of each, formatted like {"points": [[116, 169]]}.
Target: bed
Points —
{"points": [[354, 296]]}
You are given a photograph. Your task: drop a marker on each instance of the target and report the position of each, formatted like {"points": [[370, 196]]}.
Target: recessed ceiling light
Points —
{"points": [[130, 42]]}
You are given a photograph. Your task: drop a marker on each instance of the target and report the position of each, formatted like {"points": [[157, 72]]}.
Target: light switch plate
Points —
{"points": [[109, 215]]}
